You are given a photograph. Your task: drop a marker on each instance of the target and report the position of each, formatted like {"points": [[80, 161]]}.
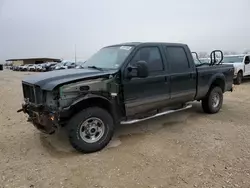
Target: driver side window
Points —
{"points": [[152, 56]]}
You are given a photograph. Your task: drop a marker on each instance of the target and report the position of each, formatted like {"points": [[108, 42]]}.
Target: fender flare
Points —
{"points": [[241, 71], [217, 76], [67, 111], [88, 96]]}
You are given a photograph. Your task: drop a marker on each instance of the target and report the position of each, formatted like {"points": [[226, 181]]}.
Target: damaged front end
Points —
{"points": [[50, 110], [41, 117]]}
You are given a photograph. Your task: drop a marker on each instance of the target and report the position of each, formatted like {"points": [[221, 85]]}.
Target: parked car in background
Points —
{"points": [[65, 65], [241, 65], [40, 67], [49, 65], [60, 66], [52, 67], [15, 68], [70, 65], [21, 68], [26, 67], [32, 68]]}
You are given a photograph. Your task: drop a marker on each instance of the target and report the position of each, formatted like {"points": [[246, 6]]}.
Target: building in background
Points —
{"points": [[26, 61]]}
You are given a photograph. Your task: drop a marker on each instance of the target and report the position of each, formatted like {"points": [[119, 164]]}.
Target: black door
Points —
{"points": [[182, 74], [144, 94]]}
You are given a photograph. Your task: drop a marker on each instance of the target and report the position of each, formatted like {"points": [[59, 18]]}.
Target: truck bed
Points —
{"points": [[206, 74]]}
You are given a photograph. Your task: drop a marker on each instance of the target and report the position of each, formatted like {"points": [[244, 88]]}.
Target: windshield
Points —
{"points": [[233, 59], [109, 57]]}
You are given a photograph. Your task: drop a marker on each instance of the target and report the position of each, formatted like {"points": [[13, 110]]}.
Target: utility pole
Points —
{"points": [[75, 53]]}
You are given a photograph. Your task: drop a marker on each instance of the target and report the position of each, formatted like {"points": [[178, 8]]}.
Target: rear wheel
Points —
{"points": [[239, 78], [90, 130], [213, 102]]}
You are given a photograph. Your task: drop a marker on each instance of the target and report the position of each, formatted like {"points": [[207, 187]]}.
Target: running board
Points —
{"points": [[154, 116]]}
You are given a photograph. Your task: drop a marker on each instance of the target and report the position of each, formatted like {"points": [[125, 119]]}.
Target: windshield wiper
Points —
{"points": [[94, 67]]}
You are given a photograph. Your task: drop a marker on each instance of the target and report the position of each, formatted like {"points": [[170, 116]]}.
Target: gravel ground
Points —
{"points": [[185, 149]]}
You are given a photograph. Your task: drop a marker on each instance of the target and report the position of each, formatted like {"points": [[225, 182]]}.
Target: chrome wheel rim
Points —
{"points": [[216, 100], [92, 130]]}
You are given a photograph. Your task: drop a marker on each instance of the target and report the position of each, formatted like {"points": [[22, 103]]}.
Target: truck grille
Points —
{"points": [[33, 93]]}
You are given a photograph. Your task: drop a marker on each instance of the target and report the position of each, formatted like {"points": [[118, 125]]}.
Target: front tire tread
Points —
{"points": [[75, 122]]}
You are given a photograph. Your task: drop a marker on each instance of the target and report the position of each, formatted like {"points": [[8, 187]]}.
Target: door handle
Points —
{"points": [[192, 76], [166, 80]]}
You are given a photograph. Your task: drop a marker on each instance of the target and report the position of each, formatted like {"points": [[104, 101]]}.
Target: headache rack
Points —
{"points": [[216, 58], [32, 93]]}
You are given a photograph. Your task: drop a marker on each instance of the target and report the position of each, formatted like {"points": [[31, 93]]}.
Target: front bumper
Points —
{"points": [[43, 119]]}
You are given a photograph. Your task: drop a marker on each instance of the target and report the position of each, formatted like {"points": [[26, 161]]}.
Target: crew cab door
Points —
{"points": [[144, 94], [247, 66], [182, 72]]}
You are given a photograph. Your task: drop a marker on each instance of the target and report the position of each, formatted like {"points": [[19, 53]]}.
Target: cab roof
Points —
{"points": [[147, 43]]}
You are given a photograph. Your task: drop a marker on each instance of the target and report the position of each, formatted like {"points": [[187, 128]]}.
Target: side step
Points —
{"points": [[154, 116]]}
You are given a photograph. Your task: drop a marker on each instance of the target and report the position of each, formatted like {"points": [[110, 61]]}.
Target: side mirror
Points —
{"points": [[247, 62], [142, 69], [139, 70]]}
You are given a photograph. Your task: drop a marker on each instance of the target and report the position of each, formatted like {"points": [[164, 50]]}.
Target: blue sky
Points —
{"points": [[51, 28]]}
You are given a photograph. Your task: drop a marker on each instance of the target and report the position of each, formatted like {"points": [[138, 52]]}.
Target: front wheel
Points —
{"points": [[213, 102], [90, 130]]}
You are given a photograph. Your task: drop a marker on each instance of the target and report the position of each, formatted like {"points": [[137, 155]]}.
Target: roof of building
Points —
{"points": [[39, 58]]}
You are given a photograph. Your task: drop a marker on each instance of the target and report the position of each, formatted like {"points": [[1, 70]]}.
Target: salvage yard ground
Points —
{"points": [[186, 149]]}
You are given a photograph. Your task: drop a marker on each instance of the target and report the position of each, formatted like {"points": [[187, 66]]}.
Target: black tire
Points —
{"points": [[208, 103], [239, 78], [74, 132]]}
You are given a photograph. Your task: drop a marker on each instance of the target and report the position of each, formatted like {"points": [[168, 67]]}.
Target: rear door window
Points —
{"points": [[177, 59]]}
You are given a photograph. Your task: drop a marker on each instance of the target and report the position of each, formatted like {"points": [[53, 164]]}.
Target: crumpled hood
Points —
{"points": [[49, 80]]}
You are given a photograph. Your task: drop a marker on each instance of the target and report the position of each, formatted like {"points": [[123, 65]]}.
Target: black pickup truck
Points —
{"points": [[122, 84]]}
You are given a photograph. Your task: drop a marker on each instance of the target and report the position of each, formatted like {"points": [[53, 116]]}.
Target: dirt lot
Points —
{"points": [[186, 149]]}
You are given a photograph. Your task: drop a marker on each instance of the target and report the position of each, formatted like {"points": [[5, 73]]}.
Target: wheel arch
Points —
{"points": [[240, 70], [218, 80], [87, 101]]}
